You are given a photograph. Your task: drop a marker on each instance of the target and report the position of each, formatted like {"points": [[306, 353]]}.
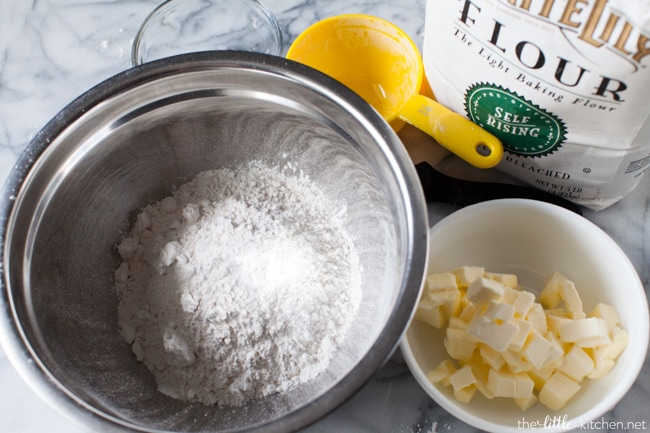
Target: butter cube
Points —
{"points": [[455, 322], [620, 339], [549, 297], [464, 395], [440, 297], [502, 383], [555, 319], [608, 313], [602, 365], [462, 378], [589, 332], [463, 299], [508, 280], [496, 335], [577, 364], [516, 362], [541, 376], [571, 298], [441, 373], [521, 300], [465, 275], [525, 385], [482, 290], [452, 306], [440, 282], [468, 312], [491, 357], [458, 343], [434, 315], [554, 357], [557, 391], [559, 288], [526, 403], [537, 318], [482, 388], [523, 329], [536, 349], [499, 311], [480, 370], [479, 367]]}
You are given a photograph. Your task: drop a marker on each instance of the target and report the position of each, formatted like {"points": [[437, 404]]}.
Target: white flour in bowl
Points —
{"points": [[241, 284]]}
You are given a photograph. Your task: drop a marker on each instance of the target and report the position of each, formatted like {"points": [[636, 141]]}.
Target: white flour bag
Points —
{"points": [[563, 83]]}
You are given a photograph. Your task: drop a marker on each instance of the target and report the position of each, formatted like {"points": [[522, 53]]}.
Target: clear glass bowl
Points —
{"points": [[184, 26]]}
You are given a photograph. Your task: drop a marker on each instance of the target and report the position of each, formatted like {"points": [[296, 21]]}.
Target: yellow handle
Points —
{"points": [[453, 131]]}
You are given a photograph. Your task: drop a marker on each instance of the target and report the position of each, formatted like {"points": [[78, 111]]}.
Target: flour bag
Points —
{"points": [[563, 83]]}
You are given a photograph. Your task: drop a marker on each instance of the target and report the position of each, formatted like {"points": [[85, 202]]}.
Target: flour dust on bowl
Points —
{"points": [[72, 223]]}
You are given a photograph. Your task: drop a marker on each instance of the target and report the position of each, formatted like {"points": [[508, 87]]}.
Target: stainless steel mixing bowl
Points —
{"points": [[128, 142]]}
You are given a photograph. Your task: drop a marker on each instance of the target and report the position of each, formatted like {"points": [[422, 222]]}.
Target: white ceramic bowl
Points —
{"points": [[533, 239]]}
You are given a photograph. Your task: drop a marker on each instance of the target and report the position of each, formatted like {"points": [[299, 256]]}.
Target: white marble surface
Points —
{"points": [[51, 51]]}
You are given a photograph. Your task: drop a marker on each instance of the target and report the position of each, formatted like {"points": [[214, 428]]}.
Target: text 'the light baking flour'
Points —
{"points": [[563, 84]]}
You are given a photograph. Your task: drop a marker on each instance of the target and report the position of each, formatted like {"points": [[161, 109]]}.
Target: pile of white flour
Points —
{"points": [[241, 284]]}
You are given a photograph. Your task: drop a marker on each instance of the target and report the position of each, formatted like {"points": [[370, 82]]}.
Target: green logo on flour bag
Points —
{"points": [[523, 127]]}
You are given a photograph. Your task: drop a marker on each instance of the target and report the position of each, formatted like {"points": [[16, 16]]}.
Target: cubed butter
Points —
{"points": [[464, 395], [491, 357], [487, 331], [440, 282], [508, 345], [455, 322], [516, 362], [480, 370], [502, 383], [526, 403], [556, 319], [440, 297], [524, 328], [441, 373], [577, 364], [463, 377], [468, 312], [571, 298], [619, 339], [521, 300], [602, 365], [482, 290], [557, 391], [537, 318], [549, 297], [458, 343], [540, 376], [499, 311], [556, 353], [434, 315], [508, 280], [589, 332], [525, 385], [536, 349], [465, 275], [452, 306], [481, 386], [608, 313]]}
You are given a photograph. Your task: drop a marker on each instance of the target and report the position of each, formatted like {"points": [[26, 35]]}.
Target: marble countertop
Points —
{"points": [[51, 51]]}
